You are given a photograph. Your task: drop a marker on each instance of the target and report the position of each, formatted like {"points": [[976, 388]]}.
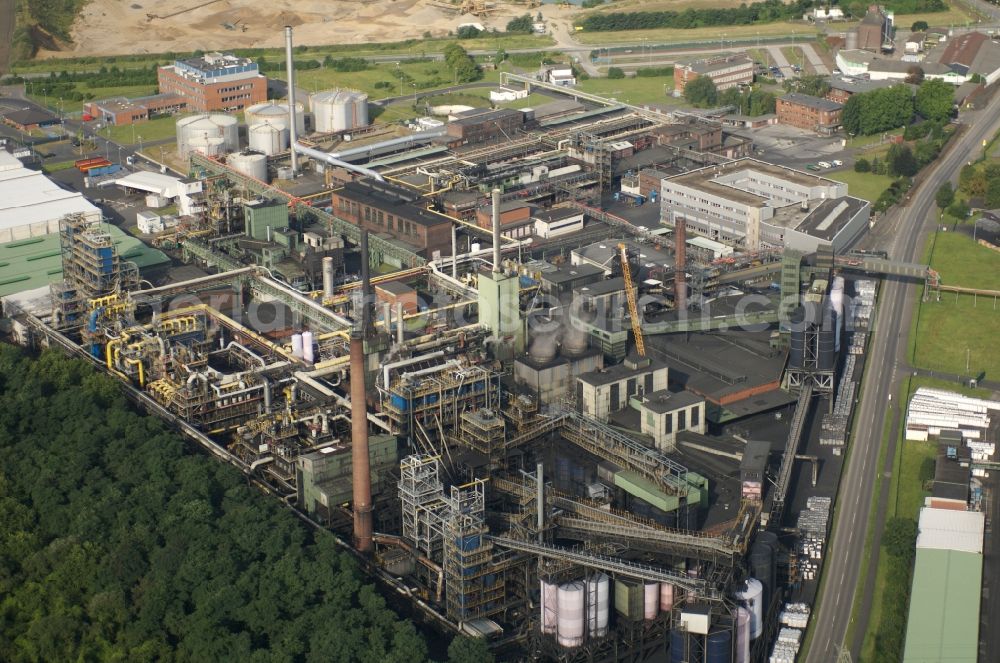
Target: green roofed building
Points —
{"points": [[36, 262]]}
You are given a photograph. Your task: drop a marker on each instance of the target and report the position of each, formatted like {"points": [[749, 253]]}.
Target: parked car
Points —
{"points": [[837, 163], [824, 164], [812, 166]]}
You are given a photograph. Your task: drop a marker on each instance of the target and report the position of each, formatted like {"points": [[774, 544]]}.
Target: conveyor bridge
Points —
{"points": [[788, 459]]}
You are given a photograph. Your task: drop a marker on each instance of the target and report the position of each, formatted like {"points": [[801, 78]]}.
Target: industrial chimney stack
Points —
{"points": [[496, 231], [680, 264], [360, 463], [292, 129]]}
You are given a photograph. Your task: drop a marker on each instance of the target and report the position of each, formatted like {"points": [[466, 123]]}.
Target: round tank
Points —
{"points": [[211, 135], [252, 164], [598, 604], [543, 348], [742, 635], [678, 647], [268, 138], [339, 110], [550, 607], [574, 341], [651, 600], [753, 597], [666, 596], [307, 347], [271, 112], [296, 345], [719, 647], [837, 295], [571, 618]]}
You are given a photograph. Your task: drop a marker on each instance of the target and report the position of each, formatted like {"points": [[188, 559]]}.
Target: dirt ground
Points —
{"points": [[114, 27]]}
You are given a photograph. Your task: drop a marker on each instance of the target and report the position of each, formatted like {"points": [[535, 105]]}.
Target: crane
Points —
{"points": [[633, 310]]}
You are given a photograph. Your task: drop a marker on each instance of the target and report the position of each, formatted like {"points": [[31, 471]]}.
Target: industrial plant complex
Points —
{"points": [[578, 379]]}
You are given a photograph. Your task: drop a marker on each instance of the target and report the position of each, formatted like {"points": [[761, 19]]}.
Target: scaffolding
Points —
{"points": [[92, 269], [424, 507], [474, 586]]}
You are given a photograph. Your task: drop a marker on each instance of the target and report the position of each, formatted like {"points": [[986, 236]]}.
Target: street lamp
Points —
{"points": [[400, 77]]}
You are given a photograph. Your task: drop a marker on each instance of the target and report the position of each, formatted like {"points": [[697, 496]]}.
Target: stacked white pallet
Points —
{"points": [[795, 615], [787, 646]]}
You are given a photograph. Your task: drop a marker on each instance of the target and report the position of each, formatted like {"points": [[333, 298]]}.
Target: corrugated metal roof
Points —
{"points": [[28, 197], [944, 529], [943, 623]]}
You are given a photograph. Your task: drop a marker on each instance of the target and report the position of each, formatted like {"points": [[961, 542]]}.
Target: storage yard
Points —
{"points": [[577, 378]]}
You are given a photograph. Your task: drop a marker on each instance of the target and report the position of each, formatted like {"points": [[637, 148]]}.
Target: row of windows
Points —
{"points": [[235, 97]]}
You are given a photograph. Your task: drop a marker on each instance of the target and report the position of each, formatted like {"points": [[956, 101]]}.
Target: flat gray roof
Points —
{"points": [[810, 101], [618, 372], [668, 401]]}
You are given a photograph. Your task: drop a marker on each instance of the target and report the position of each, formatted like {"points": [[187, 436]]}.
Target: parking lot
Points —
{"points": [[796, 148]]}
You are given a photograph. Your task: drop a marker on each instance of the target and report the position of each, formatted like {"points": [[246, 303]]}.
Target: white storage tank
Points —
{"points": [[307, 347], [550, 607], [339, 110], [598, 604], [271, 112], [211, 135], [571, 618], [268, 138], [753, 598], [651, 600], [297, 345], [666, 596], [742, 635], [249, 163]]}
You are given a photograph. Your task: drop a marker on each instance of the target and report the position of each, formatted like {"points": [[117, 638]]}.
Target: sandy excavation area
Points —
{"points": [[117, 27]]}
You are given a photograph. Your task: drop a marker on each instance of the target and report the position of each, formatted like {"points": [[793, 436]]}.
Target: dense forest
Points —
{"points": [[117, 543]]}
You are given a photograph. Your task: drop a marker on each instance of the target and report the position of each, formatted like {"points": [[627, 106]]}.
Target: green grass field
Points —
{"points": [[863, 185], [638, 90], [158, 129], [707, 35], [57, 104]]}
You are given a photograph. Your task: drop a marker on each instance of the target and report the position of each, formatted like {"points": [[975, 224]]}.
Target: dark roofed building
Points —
{"points": [[726, 72], [875, 29], [808, 112], [28, 119], [485, 126]]}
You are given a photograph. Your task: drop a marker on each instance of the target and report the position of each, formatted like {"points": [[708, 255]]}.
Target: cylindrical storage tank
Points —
{"points": [[685, 647], [629, 599], [571, 618], [329, 278], [307, 347], [543, 348], [296, 345], [268, 138], [753, 598], [651, 600], [598, 605], [211, 135], [743, 617], [339, 110], [763, 563], [251, 164], [271, 112], [719, 647], [550, 607], [666, 596]]}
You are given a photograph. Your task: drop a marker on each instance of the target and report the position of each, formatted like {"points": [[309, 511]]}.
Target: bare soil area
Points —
{"points": [[116, 27]]}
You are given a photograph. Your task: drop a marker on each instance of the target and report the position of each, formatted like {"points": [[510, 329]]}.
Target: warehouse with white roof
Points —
{"points": [[31, 204]]}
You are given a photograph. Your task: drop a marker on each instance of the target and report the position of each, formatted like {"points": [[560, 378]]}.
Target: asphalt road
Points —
{"points": [[903, 232]]}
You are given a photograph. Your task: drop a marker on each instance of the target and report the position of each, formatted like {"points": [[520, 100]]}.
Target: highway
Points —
{"points": [[902, 233]]}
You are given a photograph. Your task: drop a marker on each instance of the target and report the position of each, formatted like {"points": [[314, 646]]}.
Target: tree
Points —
{"points": [[914, 75], [945, 195], [918, 26], [616, 72], [464, 649], [901, 161], [971, 180], [992, 197], [701, 92], [862, 166], [935, 100], [522, 25], [468, 32], [817, 86], [959, 209], [850, 116]]}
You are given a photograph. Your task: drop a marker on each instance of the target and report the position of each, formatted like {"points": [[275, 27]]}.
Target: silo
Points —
{"points": [[571, 614], [598, 604], [307, 347], [268, 138], [719, 647], [550, 607], [249, 163], [297, 345], [339, 110], [666, 596], [753, 597], [742, 635], [629, 599], [651, 600], [796, 353], [271, 112], [211, 135]]}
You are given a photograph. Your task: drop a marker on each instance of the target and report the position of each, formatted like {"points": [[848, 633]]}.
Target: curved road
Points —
{"points": [[903, 231]]}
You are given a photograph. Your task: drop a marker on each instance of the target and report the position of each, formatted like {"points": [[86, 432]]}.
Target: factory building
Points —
{"points": [[214, 82], [809, 113], [753, 205], [485, 126], [726, 72], [394, 211], [663, 414], [515, 220], [557, 222], [28, 119], [122, 111], [875, 31], [602, 392]]}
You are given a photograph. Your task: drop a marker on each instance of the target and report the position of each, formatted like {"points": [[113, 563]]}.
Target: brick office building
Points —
{"points": [[391, 210], [214, 82], [121, 111], [725, 72], [807, 112]]}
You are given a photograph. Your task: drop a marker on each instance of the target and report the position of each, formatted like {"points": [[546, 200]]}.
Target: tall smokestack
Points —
{"points": [[328, 278], [496, 231], [292, 129], [361, 481], [680, 263], [366, 286]]}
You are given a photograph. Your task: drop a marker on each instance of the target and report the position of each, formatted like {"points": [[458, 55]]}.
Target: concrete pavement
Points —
{"points": [[904, 229], [814, 59]]}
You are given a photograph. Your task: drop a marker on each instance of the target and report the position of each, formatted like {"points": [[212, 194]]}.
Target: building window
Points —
{"points": [[669, 423], [682, 420]]}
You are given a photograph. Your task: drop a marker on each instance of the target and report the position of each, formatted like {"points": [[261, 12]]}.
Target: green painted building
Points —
{"points": [[944, 607], [323, 477]]}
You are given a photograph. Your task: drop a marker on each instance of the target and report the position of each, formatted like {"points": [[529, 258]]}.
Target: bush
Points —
{"points": [[701, 92], [862, 166], [959, 209], [918, 26], [468, 32], [522, 25], [945, 195], [590, 4], [616, 72], [654, 72]]}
